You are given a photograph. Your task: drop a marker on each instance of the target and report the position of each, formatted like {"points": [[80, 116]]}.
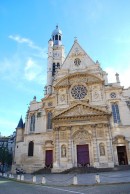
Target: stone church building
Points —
{"points": [[82, 120]]}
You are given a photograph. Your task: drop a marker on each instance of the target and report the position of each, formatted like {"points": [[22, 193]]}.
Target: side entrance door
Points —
{"points": [[83, 155], [122, 155], [49, 158]]}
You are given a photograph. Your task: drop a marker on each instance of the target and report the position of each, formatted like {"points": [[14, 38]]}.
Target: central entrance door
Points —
{"points": [[49, 158], [83, 155], [122, 155]]}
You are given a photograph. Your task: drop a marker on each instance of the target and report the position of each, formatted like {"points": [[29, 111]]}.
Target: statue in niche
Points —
{"points": [[63, 151], [102, 149], [62, 98]]}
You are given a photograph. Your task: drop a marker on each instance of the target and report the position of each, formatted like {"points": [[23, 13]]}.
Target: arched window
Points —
{"points": [[56, 37], [102, 149], [30, 148], [53, 69], [59, 37], [49, 120], [58, 65], [63, 151], [115, 112], [32, 123]]}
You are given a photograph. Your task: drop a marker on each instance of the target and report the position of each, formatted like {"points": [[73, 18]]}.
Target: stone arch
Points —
{"points": [[66, 77], [82, 135], [121, 150]]}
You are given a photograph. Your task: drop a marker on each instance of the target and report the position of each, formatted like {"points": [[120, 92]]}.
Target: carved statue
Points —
{"points": [[63, 151]]}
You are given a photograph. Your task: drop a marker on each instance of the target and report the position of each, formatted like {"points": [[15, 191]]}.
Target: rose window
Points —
{"points": [[113, 95], [77, 61], [79, 92]]}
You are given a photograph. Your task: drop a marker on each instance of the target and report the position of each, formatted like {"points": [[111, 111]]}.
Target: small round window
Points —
{"points": [[113, 95], [79, 92], [77, 61]]}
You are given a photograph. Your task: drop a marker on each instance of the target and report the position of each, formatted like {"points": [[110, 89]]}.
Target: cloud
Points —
{"points": [[29, 43], [124, 75], [33, 71]]}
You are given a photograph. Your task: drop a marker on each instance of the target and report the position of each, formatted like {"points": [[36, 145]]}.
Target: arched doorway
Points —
{"points": [[122, 155], [121, 147]]}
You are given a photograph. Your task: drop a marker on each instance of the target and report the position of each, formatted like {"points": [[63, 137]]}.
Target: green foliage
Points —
{"points": [[5, 156]]}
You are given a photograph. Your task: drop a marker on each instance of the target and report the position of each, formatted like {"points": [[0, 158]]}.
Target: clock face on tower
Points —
{"points": [[56, 54]]}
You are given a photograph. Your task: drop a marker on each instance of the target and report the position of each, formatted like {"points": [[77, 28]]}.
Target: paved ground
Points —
{"points": [[83, 179], [12, 187]]}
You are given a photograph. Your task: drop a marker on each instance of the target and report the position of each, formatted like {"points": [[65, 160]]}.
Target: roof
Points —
{"points": [[20, 124]]}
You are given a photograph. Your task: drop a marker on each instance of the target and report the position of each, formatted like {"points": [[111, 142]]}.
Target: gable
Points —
{"points": [[77, 52], [81, 110]]}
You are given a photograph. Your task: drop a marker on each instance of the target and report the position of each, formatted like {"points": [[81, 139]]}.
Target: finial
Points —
{"points": [[34, 98], [57, 26], [97, 62], [75, 39], [117, 78]]}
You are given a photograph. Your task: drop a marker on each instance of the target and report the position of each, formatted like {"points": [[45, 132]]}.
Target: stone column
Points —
{"points": [[109, 147], [95, 147], [69, 165], [57, 157]]}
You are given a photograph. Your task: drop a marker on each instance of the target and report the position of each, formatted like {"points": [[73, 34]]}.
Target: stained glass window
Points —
{"points": [[79, 92], [115, 112], [32, 123]]}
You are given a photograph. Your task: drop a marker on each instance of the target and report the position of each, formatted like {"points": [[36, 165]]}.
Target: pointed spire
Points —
{"points": [[20, 124]]}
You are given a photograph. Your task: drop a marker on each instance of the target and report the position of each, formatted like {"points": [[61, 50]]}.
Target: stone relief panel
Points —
{"points": [[63, 135], [100, 133], [62, 96], [82, 135], [81, 110], [96, 93]]}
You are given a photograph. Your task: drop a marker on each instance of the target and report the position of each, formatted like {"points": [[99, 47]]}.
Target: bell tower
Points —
{"points": [[55, 57]]}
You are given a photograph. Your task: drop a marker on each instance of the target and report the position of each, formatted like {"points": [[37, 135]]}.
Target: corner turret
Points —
{"points": [[20, 130]]}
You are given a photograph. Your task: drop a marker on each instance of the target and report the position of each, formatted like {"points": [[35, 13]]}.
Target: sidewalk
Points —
{"points": [[82, 179]]}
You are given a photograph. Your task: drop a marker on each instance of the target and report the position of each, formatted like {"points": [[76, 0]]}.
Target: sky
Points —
{"points": [[102, 28]]}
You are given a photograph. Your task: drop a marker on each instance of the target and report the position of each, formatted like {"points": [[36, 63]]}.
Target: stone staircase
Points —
{"points": [[81, 170], [43, 171]]}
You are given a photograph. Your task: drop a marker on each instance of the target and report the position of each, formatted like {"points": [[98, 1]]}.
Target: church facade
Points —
{"points": [[82, 120]]}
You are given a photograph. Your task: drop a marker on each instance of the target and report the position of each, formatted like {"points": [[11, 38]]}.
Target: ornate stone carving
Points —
{"points": [[82, 135], [100, 132]]}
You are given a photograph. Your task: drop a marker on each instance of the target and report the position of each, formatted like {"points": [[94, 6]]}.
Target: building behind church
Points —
{"points": [[82, 120]]}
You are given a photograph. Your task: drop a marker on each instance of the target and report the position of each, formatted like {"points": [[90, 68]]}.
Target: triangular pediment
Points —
{"points": [[80, 110], [77, 52]]}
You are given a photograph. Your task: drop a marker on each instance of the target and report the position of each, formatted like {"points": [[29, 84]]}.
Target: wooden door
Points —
{"points": [[49, 158], [83, 155]]}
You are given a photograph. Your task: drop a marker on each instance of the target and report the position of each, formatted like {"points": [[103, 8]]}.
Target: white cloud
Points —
{"points": [[33, 71], [29, 43], [124, 75]]}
